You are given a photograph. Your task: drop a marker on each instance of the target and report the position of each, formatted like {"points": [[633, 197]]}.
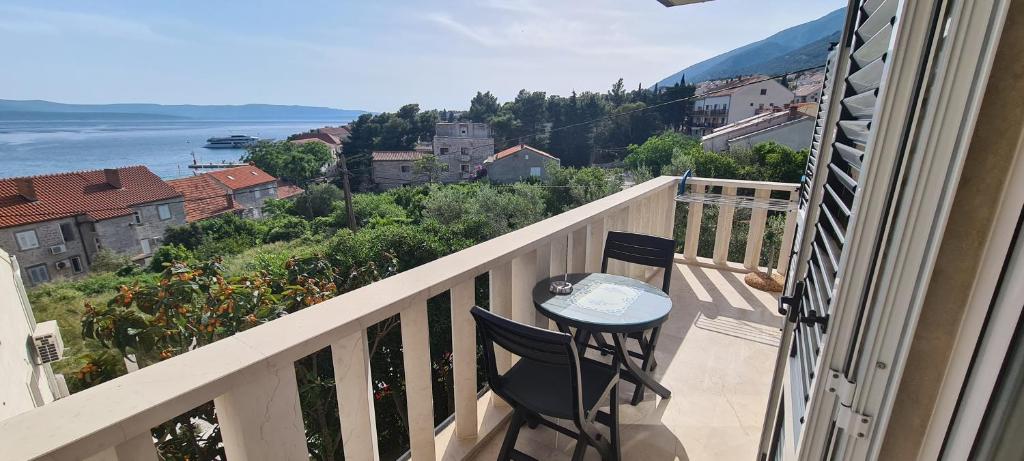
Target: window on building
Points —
{"points": [[138, 217], [465, 167], [164, 211], [76, 265], [406, 168], [146, 248], [38, 274], [535, 171], [464, 129], [444, 151], [68, 232], [258, 193], [760, 106], [465, 151], [764, 91], [27, 240], [751, 104]]}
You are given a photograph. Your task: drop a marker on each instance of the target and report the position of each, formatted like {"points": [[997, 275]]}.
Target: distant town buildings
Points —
{"points": [[518, 163], [240, 190], [790, 127], [735, 100], [56, 224]]}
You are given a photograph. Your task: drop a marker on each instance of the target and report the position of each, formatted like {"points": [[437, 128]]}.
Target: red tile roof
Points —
{"points": [[242, 177], [516, 149], [205, 197], [326, 138], [397, 156], [85, 193], [340, 132], [287, 190]]}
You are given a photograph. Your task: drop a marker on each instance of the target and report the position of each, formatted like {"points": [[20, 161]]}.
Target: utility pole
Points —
{"points": [[347, 188]]}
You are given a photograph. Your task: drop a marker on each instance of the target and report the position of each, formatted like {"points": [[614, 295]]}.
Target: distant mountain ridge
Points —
{"points": [[795, 48], [46, 110]]}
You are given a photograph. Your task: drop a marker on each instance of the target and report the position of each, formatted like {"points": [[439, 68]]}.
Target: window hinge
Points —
{"points": [[841, 387], [853, 423]]}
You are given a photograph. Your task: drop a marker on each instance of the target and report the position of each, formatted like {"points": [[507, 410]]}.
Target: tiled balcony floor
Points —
{"points": [[716, 355]]}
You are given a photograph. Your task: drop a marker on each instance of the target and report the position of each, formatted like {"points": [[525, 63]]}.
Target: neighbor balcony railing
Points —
{"points": [[251, 378]]}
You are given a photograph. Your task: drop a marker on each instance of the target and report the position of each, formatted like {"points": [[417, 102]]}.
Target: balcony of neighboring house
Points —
{"points": [[716, 355]]}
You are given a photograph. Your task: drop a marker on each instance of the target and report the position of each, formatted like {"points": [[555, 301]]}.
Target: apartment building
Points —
{"points": [[463, 147], [788, 127], [735, 100], [56, 224], [240, 190], [518, 163]]}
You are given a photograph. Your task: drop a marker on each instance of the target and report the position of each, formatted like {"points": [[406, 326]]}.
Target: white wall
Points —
{"points": [[795, 134], [747, 99], [23, 384]]}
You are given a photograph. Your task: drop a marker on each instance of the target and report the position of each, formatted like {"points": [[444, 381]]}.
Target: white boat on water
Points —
{"points": [[235, 141]]}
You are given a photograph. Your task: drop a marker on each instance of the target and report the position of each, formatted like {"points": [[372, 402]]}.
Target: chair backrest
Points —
{"points": [[528, 342], [643, 249]]}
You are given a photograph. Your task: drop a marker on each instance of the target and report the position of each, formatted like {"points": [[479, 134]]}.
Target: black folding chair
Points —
{"points": [[550, 380], [646, 250]]}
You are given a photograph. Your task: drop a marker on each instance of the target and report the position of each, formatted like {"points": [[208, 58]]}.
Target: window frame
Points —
{"points": [[147, 247], [76, 264], [160, 212], [31, 271], [70, 233], [35, 237], [536, 169], [137, 217]]}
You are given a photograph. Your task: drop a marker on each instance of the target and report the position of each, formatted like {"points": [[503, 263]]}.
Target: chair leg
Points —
{"points": [[647, 364], [509, 444], [613, 409], [581, 448]]}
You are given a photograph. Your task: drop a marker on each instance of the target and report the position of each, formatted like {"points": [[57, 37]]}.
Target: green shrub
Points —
{"points": [[168, 254], [108, 261], [285, 228]]}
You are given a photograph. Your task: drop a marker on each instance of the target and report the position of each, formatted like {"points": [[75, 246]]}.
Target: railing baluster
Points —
{"points": [[670, 212], [787, 237], [636, 224], [260, 419], [755, 236], [578, 250], [418, 383], [723, 232], [595, 244], [501, 304], [693, 219], [524, 277], [544, 270], [140, 448], [351, 358], [464, 358]]}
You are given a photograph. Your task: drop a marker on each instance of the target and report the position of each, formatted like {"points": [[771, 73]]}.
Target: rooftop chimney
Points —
{"points": [[26, 189], [113, 177]]}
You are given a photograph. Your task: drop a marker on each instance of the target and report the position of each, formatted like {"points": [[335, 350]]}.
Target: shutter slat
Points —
{"points": [[874, 48], [862, 105], [837, 230], [868, 77], [850, 155], [831, 248], [838, 201], [856, 131], [870, 6], [843, 178], [875, 21]]}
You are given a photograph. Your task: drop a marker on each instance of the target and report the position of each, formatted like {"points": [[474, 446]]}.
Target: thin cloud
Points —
{"points": [[459, 28], [52, 22]]}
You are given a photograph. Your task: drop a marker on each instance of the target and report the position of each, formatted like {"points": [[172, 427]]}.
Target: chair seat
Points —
{"points": [[545, 388]]}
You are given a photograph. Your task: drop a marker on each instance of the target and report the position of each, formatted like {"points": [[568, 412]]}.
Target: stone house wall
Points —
{"points": [[516, 167], [49, 235]]}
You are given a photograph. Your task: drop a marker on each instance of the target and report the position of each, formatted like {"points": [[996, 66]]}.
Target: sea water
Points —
{"points": [[166, 147]]}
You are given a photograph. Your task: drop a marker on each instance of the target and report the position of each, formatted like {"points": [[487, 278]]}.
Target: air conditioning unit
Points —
{"points": [[49, 345], [63, 264], [58, 249]]}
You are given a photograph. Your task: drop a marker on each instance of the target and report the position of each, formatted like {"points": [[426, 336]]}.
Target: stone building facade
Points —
{"points": [[393, 169], [518, 163], [56, 224], [463, 147]]}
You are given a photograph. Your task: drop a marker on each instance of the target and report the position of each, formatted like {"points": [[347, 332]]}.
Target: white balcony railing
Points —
{"points": [[762, 195], [250, 376]]}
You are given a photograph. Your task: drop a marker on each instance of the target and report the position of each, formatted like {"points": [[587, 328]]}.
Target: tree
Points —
{"points": [[658, 151], [297, 163], [318, 200], [482, 107], [430, 168]]}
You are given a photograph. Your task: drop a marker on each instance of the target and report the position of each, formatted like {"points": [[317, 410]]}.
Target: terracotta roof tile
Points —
{"points": [[516, 149], [79, 193], [242, 177], [287, 190], [397, 156], [205, 197]]}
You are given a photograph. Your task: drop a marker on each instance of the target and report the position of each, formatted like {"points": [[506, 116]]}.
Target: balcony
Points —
{"points": [[716, 356]]}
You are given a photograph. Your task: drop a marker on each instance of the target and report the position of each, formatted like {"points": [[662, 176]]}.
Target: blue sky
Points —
{"points": [[373, 55]]}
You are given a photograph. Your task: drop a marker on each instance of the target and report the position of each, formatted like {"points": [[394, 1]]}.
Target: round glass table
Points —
{"points": [[607, 304]]}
